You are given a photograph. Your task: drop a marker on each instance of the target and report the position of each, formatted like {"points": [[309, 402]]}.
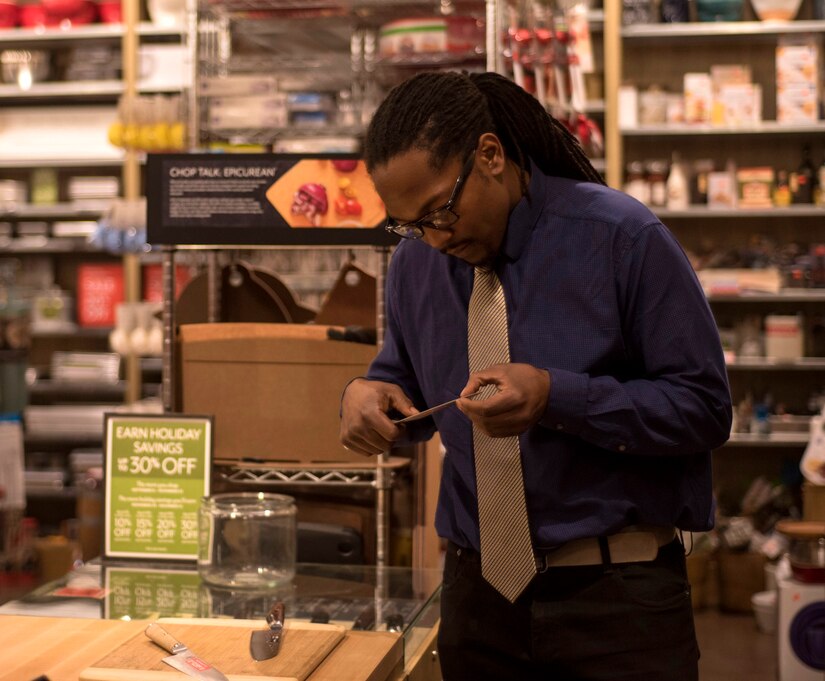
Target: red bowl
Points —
{"points": [[110, 12], [32, 16], [8, 14]]}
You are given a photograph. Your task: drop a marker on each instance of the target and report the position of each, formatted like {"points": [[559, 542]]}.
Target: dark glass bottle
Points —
{"points": [[803, 189]]}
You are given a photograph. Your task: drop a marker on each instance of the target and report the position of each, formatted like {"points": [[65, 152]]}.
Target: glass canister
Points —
{"points": [[807, 548], [247, 540]]}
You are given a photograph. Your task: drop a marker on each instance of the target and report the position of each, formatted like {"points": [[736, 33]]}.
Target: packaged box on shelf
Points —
{"points": [[797, 104], [755, 187], [783, 337], [239, 86], [274, 389], [738, 105], [250, 120], [813, 502], [99, 291], [270, 102], [797, 61], [698, 91], [721, 190], [164, 66]]}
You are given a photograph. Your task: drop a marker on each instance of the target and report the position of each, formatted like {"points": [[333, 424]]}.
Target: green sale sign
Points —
{"points": [[158, 468]]}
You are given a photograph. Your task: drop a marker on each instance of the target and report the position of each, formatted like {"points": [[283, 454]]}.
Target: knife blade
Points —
{"points": [[266, 643], [182, 658], [432, 410]]}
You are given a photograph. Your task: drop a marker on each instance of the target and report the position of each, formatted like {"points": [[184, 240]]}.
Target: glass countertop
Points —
{"points": [[358, 597]]}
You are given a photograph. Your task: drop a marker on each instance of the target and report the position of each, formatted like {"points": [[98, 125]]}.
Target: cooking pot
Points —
{"points": [[807, 549], [24, 67]]}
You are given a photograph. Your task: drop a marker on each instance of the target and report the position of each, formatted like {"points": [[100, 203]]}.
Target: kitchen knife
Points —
{"points": [[266, 643], [432, 410], [182, 658]]}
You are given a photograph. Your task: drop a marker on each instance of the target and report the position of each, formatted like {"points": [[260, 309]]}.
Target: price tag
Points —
{"points": [[158, 467]]}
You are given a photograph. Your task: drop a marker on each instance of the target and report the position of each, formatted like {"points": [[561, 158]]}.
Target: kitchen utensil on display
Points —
{"points": [[247, 540], [807, 549], [182, 658], [432, 410], [247, 294], [266, 643]]}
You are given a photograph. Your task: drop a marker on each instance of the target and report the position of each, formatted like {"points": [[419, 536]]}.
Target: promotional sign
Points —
{"points": [[150, 593], [265, 199], [157, 470]]}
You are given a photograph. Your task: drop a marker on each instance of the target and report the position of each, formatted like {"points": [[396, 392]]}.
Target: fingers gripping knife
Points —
{"points": [[265, 643], [182, 658]]}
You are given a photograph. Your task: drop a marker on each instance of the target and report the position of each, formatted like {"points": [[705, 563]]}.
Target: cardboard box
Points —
{"points": [[274, 389]]}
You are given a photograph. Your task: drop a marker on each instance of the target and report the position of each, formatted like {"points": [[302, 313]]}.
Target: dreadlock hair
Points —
{"points": [[445, 113]]}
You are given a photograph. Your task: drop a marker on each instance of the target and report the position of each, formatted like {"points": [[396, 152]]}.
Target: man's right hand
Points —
{"points": [[365, 426]]}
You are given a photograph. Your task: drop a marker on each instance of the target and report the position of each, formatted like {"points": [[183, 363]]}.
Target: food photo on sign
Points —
{"points": [[327, 193]]}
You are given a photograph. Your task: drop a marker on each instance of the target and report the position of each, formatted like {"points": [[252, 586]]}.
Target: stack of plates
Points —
{"points": [[69, 421], [92, 189], [97, 367]]}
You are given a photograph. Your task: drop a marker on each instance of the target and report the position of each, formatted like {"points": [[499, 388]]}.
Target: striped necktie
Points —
{"points": [[507, 560]]}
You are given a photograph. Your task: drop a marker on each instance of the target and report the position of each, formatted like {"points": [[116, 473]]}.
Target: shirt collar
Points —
{"points": [[524, 216]]}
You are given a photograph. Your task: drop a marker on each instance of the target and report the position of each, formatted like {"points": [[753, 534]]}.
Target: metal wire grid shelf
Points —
{"points": [[339, 6], [366, 477]]}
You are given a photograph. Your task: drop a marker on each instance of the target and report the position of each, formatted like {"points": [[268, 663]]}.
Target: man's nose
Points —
{"points": [[437, 238]]}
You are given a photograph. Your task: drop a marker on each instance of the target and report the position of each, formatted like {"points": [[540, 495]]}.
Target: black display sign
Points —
{"points": [[263, 199]]}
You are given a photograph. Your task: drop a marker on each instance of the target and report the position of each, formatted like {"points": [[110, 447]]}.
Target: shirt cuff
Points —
{"points": [[567, 404]]}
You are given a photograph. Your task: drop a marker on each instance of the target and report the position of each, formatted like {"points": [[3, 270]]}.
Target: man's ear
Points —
{"points": [[491, 154]]}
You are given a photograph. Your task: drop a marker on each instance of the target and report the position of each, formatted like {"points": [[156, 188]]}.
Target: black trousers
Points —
{"points": [[627, 622]]}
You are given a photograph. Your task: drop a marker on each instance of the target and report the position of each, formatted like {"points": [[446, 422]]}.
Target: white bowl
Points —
{"points": [[764, 609], [776, 10]]}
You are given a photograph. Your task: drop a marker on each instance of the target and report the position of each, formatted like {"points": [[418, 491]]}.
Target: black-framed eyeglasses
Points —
{"points": [[443, 217]]}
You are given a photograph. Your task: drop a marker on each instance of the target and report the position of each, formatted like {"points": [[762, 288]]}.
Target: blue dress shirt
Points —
{"points": [[601, 295]]}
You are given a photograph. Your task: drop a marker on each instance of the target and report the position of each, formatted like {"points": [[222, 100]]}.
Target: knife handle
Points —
{"points": [[275, 617], [163, 638]]}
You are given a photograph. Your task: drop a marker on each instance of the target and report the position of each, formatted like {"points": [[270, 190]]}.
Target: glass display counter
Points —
{"points": [[358, 597]]}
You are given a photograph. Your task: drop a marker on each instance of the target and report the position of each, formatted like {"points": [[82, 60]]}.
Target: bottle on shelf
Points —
{"points": [[678, 193], [782, 190], [820, 194], [804, 180]]}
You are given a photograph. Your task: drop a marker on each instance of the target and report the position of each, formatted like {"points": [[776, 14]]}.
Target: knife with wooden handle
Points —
{"points": [[182, 658], [265, 643]]}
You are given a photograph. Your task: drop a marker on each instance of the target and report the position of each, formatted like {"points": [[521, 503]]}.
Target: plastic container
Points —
{"points": [[247, 540], [764, 609]]}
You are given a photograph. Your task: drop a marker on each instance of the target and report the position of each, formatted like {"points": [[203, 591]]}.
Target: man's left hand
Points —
{"points": [[523, 391]]}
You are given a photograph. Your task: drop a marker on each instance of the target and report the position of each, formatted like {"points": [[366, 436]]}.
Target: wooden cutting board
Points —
{"points": [[57, 647], [225, 645]]}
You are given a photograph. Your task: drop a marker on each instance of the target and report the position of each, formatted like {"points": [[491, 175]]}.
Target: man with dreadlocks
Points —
{"points": [[607, 397]]}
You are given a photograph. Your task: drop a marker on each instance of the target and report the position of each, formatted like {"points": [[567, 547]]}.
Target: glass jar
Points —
{"points": [[807, 549], [247, 540]]}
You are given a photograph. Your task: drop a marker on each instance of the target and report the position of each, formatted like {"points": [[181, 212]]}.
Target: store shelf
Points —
{"points": [[745, 213], [58, 493], [770, 440], [76, 332], [787, 296], [28, 211], [45, 390], [60, 441], [97, 32], [46, 246], [73, 89], [763, 128], [90, 162], [270, 135], [720, 29], [771, 364]]}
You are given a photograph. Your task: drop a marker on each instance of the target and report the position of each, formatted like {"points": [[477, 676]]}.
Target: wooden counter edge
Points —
{"points": [[380, 651]]}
